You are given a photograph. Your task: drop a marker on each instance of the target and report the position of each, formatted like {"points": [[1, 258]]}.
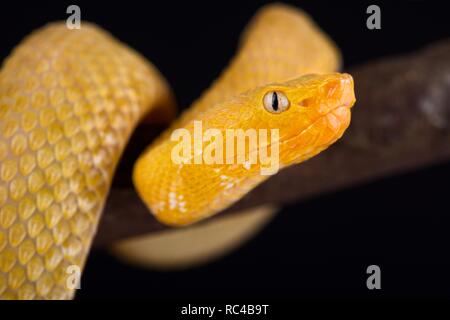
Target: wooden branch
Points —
{"points": [[401, 122]]}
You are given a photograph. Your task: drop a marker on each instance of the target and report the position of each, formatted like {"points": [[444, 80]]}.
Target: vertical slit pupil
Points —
{"points": [[275, 101]]}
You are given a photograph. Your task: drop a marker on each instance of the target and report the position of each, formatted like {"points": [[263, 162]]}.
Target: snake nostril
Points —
{"points": [[332, 89]]}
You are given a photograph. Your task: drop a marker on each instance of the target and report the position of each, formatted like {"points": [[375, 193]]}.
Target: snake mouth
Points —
{"points": [[310, 140], [333, 124]]}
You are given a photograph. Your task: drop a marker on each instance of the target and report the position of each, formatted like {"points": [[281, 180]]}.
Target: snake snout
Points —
{"points": [[337, 117], [348, 92]]}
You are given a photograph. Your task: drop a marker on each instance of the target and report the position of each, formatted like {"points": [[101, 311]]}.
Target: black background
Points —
{"points": [[319, 248]]}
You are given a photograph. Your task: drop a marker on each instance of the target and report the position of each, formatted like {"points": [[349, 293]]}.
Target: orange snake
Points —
{"points": [[69, 100]]}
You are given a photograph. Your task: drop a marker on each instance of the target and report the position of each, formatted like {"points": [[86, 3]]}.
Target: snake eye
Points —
{"points": [[275, 101]]}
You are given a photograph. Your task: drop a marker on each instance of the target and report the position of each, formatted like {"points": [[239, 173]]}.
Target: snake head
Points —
{"points": [[310, 112]]}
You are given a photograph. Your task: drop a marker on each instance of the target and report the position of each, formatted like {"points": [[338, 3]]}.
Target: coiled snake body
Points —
{"points": [[69, 100]]}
